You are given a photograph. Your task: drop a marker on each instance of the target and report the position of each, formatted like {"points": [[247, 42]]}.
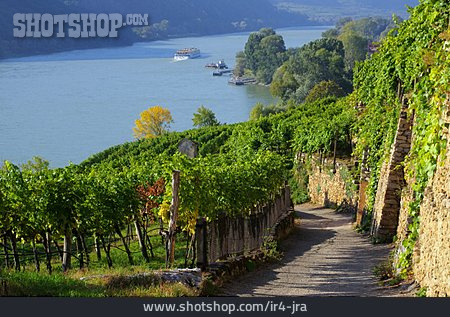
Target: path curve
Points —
{"points": [[323, 256]]}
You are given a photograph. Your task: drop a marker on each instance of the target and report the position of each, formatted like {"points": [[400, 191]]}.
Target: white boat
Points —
{"points": [[186, 53]]}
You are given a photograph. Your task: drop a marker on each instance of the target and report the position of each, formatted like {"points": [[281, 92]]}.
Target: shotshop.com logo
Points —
{"points": [[74, 25]]}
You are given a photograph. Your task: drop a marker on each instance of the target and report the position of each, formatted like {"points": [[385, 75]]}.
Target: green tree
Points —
{"points": [[357, 34], [271, 57], [252, 48], [240, 65], [36, 164], [264, 53], [324, 89], [284, 83], [204, 117], [317, 61], [356, 48], [259, 110]]}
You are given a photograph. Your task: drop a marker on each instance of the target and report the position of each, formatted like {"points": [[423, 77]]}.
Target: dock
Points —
{"points": [[222, 71], [238, 81]]}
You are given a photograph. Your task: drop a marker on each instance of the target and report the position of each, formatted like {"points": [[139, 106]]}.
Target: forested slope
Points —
{"points": [[182, 18]]}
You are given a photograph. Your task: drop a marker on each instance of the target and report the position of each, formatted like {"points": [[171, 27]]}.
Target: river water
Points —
{"points": [[67, 106]]}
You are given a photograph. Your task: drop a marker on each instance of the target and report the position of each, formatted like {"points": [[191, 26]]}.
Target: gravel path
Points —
{"points": [[323, 256]]}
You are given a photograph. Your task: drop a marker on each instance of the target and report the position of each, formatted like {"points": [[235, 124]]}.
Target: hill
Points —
{"points": [[330, 11], [181, 18]]}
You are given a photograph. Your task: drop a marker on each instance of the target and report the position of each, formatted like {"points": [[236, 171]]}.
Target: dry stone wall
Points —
{"points": [[431, 261], [332, 188], [391, 182]]}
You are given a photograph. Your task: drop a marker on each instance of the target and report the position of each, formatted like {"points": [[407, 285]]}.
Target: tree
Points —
{"points": [[357, 34], [324, 89], [36, 164], [356, 48], [259, 110], [239, 68], [271, 57], [153, 122], [264, 52], [317, 61], [284, 84], [204, 117], [252, 47]]}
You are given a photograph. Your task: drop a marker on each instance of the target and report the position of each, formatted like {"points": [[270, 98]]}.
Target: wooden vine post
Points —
{"points": [[170, 242]]}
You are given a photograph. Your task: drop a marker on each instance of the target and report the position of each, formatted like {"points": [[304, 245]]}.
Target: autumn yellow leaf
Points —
{"points": [[153, 122]]}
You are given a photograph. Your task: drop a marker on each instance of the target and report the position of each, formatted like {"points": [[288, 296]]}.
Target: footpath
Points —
{"points": [[323, 256]]}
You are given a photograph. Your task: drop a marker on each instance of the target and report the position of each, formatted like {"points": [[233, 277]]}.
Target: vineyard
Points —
{"points": [[114, 208]]}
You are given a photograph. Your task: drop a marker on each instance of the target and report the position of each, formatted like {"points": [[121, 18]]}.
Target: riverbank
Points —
{"points": [[72, 98]]}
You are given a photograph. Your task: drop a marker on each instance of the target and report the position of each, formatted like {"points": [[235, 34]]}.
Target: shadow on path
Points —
{"points": [[322, 257]]}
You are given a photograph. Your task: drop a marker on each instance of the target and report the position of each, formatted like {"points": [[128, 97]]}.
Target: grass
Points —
{"points": [[118, 255], [30, 284], [41, 284], [422, 292], [386, 275], [100, 281], [384, 271]]}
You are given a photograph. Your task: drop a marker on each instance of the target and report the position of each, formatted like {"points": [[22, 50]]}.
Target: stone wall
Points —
{"points": [[431, 261], [391, 182], [226, 236], [364, 179], [404, 220], [331, 188], [362, 202], [224, 270]]}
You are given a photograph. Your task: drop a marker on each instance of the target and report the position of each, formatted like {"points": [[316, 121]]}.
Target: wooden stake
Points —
{"points": [[170, 248]]}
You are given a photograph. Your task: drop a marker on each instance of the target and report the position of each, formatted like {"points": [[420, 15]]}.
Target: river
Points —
{"points": [[67, 106]]}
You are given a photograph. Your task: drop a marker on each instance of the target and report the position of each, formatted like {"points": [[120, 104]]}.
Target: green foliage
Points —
{"points": [[214, 184], [317, 61], [348, 177], [422, 292], [298, 183], [321, 123], [356, 35], [263, 54], [411, 63], [36, 164], [370, 28], [324, 89], [99, 197], [204, 117], [383, 271], [241, 62], [259, 110], [355, 47], [271, 250]]}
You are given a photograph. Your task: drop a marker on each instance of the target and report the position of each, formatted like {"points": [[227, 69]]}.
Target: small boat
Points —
{"points": [[219, 65], [186, 53]]}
